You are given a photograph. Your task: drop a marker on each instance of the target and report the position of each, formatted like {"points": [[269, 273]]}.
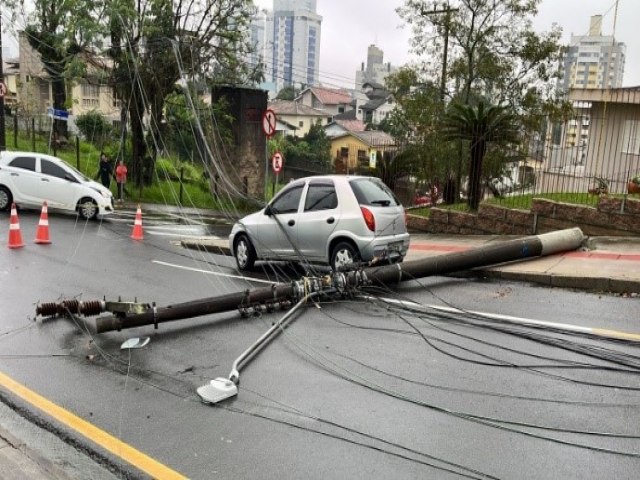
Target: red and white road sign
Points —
{"points": [[269, 122], [3, 89], [277, 162]]}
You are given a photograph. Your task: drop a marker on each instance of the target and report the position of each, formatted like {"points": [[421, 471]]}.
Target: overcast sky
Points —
{"points": [[350, 26]]}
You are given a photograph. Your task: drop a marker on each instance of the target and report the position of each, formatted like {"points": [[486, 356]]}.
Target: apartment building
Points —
{"points": [[590, 61], [288, 39]]}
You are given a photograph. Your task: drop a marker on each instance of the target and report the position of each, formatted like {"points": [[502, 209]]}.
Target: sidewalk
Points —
{"points": [[603, 264]]}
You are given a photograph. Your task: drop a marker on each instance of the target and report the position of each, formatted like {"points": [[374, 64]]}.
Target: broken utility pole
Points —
{"points": [[128, 315], [338, 283]]}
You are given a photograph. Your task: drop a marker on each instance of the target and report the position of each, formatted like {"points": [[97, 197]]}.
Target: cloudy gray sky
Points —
{"points": [[350, 26]]}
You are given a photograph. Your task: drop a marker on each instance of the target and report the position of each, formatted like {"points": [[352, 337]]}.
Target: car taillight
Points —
{"points": [[369, 219]]}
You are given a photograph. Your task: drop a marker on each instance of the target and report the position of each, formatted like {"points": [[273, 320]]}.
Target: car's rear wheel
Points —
{"points": [[5, 199], [343, 255], [244, 252], [88, 208]]}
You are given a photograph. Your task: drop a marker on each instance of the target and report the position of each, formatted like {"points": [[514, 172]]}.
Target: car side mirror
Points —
{"points": [[268, 211], [70, 178]]}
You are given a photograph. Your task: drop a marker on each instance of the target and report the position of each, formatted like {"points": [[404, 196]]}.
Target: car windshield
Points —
{"points": [[372, 191], [78, 173]]}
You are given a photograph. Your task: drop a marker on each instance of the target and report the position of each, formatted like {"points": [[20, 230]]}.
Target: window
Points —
{"points": [[301, 124], [288, 200], [91, 95], [50, 168], [321, 196], [631, 137], [90, 91], [372, 191], [26, 163]]}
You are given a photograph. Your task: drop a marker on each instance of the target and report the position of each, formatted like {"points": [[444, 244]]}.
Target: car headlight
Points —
{"points": [[105, 194]]}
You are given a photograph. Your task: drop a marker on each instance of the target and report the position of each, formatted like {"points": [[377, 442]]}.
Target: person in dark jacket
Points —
{"points": [[104, 170]]}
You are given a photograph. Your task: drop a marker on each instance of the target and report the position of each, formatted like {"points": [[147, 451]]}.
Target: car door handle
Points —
{"points": [[44, 179], [15, 174], [291, 223], [331, 220]]}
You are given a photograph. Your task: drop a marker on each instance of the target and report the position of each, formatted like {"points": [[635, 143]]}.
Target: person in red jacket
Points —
{"points": [[121, 179]]}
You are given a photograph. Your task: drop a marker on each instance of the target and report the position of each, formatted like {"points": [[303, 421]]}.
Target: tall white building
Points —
{"points": [[375, 70], [590, 61], [593, 60], [291, 43]]}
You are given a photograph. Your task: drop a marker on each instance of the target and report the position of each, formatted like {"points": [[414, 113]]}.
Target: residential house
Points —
{"points": [[11, 73], [298, 117], [34, 93], [330, 100], [343, 123], [613, 153], [373, 103], [360, 152]]}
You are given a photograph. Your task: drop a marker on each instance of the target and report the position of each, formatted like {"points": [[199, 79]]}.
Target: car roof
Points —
{"points": [[329, 177], [17, 153]]}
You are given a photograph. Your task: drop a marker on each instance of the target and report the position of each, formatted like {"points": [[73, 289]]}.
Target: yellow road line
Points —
{"points": [[90, 431]]}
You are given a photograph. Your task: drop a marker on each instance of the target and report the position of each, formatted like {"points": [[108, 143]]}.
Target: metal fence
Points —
{"points": [[593, 152]]}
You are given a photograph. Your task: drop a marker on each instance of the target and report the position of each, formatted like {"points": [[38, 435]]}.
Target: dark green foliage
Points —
{"points": [[478, 127], [95, 127]]}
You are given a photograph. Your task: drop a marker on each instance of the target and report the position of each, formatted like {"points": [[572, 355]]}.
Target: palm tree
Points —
{"points": [[479, 125]]}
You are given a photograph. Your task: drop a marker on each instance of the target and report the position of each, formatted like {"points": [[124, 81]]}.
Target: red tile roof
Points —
{"points": [[352, 125], [331, 96]]}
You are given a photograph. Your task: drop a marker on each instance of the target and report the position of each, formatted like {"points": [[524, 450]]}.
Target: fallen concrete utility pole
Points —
{"points": [[268, 298]]}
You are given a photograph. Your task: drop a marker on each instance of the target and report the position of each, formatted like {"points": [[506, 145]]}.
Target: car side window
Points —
{"points": [[26, 163], [50, 168], [320, 196], [288, 201]]}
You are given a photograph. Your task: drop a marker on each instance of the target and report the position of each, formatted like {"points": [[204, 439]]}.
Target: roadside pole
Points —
{"points": [[3, 91], [283, 294]]}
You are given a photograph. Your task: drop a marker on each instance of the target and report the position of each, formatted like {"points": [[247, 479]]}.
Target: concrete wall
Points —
{"points": [[612, 217]]}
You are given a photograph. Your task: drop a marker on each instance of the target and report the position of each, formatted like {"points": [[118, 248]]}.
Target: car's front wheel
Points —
{"points": [[244, 252], [5, 199], [343, 255], [88, 209]]}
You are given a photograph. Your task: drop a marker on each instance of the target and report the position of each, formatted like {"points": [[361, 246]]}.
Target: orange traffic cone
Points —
{"points": [[42, 234], [137, 226], [15, 237]]}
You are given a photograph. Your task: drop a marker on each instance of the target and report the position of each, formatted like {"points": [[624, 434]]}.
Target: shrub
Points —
{"points": [[94, 127]]}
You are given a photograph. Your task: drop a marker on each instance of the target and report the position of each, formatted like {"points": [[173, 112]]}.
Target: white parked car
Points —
{"points": [[334, 220], [28, 179]]}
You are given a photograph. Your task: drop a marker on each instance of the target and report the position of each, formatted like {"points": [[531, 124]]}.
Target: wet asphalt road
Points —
{"points": [[351, 390]]}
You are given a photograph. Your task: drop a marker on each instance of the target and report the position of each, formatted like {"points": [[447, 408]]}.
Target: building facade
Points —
{"points": [[288, 39], [592, 61], [375, 71]]}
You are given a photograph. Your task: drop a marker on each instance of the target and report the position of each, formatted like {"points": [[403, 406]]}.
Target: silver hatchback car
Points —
{"points": [[334, 220]]}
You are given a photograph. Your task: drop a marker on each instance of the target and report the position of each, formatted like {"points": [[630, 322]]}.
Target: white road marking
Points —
{"points": [[209, 272]]}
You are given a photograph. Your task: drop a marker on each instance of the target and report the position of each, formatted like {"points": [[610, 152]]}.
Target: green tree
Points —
{"points": [[287, 93], [479, 126], [157, 43], [414, 126], [492, 49], [58, 32], [95, 128], [492, 54]]}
